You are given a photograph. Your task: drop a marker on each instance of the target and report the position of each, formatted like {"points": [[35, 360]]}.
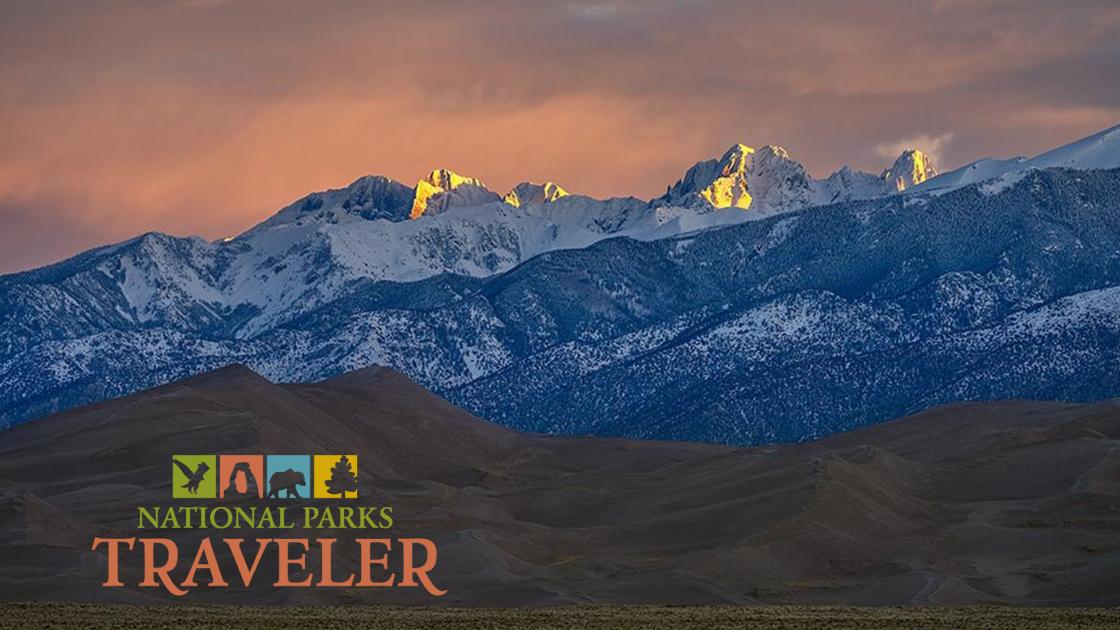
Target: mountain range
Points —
{"points": [[750, 303], [1010, 503]]}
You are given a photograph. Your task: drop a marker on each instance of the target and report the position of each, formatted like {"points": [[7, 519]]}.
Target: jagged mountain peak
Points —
{"points": [[530, 194], [740, 157], [735, 155], [714, 183], [772, 151], [448, 179], [766, 179], [912, 167], [444, 188], [368, 197], [848, 184], [325, 266]]}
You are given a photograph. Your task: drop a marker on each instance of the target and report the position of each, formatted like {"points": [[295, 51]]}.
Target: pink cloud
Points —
{"points": [[206, 117]]}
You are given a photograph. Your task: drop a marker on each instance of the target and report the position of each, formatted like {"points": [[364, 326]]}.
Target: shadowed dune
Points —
{"points": [[1010, 502]]}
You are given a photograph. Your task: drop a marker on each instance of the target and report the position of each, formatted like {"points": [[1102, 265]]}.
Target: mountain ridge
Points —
{"points": [[1094, 152], [450, 302], [634, 313], [911, 168]]}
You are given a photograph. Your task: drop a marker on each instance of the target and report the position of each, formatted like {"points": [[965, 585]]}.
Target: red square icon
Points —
{"points": [[241, 476]]}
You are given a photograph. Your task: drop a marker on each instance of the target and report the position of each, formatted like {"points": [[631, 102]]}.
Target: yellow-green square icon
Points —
{"points": [[194, 476], [336, 477]]}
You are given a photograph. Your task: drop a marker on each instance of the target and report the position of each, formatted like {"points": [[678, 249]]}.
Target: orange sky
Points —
{"points": [[205, 116]]}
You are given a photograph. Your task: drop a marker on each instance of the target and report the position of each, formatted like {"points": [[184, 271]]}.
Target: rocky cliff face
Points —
{"points": [[910, 169]]}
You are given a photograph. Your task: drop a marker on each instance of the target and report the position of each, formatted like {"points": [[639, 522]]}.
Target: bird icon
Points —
{"points": [[194, 478]]}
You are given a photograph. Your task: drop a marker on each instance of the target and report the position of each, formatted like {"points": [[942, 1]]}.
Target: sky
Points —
{"points": [[206, 116]]}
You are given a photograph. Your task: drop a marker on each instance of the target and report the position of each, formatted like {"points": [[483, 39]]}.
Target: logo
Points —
{"points": [[336, 476], [289, 476], [253, 492], [240, 477], [194, 476]]}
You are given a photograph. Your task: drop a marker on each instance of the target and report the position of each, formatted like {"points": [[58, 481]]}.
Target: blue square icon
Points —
{"points": [[289, 476]]}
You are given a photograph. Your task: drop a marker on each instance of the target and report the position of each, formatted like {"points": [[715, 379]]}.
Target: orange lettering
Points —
{"points": [[285, 561], [325, 558], [412, 572], [163, 571], [246, 571], [367, 559], [114, 545], [205, 559]]}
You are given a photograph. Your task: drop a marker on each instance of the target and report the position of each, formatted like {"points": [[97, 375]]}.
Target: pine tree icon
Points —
{"points": [[342, 479]]}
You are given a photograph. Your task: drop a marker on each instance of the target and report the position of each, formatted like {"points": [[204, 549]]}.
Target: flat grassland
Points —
{"points": [[92, 616]]}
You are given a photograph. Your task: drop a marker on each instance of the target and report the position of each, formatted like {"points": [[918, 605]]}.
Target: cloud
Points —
{"points": [[594, 11], [932, 145], [33, 235], [141, 116]]}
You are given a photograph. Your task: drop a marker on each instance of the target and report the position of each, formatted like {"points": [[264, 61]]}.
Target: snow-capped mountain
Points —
{"points": [[705, 322], [322, 246], [1098, 151], [851, 185], [530, 194], [910, 169], [280, 269], [768, 181], [444, 189]]}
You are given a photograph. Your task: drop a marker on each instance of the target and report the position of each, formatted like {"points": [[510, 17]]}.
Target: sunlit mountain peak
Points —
{"points": [[729, 188], [911, 168], [447, 179], [735, 159], [772, 151], [528, 194], [442, 181]]}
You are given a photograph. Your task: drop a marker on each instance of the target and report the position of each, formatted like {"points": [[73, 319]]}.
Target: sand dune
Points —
{"points": [[1009, 502]]}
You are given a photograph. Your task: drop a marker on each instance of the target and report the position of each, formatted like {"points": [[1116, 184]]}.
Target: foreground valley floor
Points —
{"points": [[92, 616]]}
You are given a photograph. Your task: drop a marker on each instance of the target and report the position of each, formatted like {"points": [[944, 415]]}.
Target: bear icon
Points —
{"points": [[286, 480]]}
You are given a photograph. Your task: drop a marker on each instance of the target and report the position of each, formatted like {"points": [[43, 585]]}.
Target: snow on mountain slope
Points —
{"points": [[315, 249], [151, 280], [285, 270], [768, 181], [530, 194], [850, 185], [323, 245], [443, 189], [327, 244], [764, 181], [779, 183], [370, 197], [1098, 151], [910, 169], [786, 332], [359, 255], [778, 329], [721, 184], [975, 172]]}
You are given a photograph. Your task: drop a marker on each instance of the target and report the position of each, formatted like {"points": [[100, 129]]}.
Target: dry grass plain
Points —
{"points": [[92, 616]]}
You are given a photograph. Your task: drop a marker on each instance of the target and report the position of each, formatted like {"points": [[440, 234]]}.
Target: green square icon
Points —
{"points": [[194, 476]]}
